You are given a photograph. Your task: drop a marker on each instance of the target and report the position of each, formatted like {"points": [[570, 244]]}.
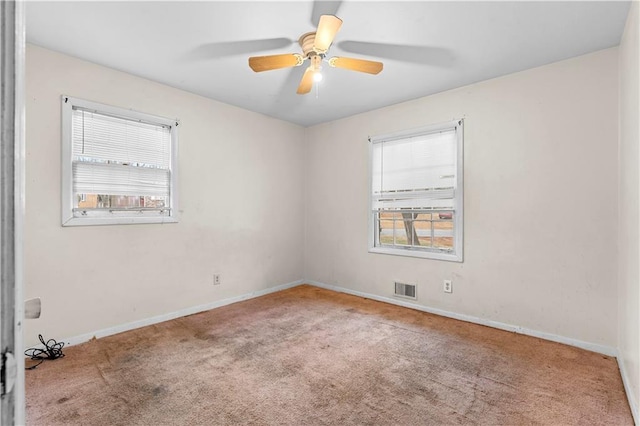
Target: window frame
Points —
{"points": [[68, 219], [458, 217]]}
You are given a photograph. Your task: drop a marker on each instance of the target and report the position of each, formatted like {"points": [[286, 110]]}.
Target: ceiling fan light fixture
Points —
{"points": [[314, 49]]}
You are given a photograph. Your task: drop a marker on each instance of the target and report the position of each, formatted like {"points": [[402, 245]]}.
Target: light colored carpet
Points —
{"points": [[308, 356]]}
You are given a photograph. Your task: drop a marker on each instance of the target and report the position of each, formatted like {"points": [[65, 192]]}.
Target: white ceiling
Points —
{"points": [[427, 47]]}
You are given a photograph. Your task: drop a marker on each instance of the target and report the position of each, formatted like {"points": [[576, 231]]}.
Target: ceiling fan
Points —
{"points": [[314, 48]]}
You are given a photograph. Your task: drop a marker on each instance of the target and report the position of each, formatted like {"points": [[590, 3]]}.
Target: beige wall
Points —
{"points": [[629, 233], [540, 201], [241, 212]]}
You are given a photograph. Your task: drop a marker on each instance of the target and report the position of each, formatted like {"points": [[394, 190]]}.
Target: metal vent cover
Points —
{"points": [[405, 290]]}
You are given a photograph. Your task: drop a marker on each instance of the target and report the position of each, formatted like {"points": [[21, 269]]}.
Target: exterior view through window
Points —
{"points": [[119, 166], [416, 192]]}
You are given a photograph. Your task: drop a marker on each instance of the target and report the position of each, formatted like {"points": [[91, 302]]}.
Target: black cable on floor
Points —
{"points": [[52, 350]]}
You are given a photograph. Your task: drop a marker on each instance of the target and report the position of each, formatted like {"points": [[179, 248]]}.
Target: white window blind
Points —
{"points": [[417, 172], [119, 156]]}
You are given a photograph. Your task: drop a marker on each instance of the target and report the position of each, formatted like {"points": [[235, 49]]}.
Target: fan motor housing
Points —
{"points": [[306, 42]]}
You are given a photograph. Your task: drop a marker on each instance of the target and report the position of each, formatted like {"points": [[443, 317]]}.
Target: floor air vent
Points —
{"points": [[405, 290]]}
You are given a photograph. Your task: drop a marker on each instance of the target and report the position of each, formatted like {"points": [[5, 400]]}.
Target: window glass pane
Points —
{"points": [[106, 201], [422, 225], [424, 230], [443, 230], [390, 228], [400, 236], [386, 227]]}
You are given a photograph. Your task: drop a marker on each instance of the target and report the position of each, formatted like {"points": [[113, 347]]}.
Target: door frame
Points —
{"points": [[12, 201]]}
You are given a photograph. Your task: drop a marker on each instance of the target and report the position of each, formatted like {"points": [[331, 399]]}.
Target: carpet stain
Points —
{"points": [[204, 336], [309, 356]]}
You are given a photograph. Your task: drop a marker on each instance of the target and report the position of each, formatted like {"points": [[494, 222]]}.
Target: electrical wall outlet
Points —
{"points": [[447, 286], [216, 279]]}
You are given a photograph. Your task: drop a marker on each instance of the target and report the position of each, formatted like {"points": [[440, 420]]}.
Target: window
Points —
{"points": [[118, 166], [416, 192]]}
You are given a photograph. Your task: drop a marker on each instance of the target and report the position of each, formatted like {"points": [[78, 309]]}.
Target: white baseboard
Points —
{"points": [[594, 347], [631, 397], [606, 350], [76, 340]]}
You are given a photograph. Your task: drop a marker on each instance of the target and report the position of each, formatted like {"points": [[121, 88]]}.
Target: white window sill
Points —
{"points": [[416, 253], [90, 221]]}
